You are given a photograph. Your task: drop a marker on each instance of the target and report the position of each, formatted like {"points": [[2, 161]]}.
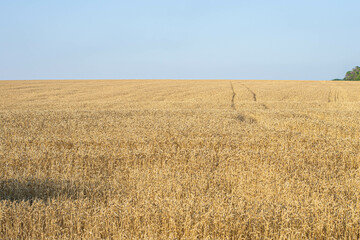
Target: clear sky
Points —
{"points": [[179, 39]]}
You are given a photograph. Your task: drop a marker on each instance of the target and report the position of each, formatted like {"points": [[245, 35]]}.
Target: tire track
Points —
{"points": [[252, 92], [239, 116], [254, 97], [264, 106], [233, 96], [337, 94]]}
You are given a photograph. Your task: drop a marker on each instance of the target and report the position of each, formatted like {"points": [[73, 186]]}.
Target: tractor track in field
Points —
{"points": [[240, 116], [264, 106], [252, 92], [337, 95], [254, 97], [233, 96]]}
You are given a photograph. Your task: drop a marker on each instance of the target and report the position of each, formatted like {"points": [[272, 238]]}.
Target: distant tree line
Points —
{"points": [[353, 75]]}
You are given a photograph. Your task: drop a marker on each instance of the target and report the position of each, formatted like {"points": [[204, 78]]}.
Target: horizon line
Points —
{"points": [[175, 79]]}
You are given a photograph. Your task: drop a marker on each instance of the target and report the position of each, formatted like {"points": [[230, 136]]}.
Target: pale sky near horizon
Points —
{"points": [[183, 39]]}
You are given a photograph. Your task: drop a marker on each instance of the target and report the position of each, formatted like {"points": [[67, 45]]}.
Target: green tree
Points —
{"points": [[353, 75]]}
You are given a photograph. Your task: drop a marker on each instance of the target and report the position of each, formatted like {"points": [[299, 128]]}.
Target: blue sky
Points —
{"points": [[178, 39]]}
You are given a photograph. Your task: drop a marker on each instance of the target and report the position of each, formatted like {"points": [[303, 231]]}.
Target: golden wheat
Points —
{"points": [[165, 159]]}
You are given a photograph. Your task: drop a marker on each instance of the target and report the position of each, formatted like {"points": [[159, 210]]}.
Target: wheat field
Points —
{"points": [[179, 159]]}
